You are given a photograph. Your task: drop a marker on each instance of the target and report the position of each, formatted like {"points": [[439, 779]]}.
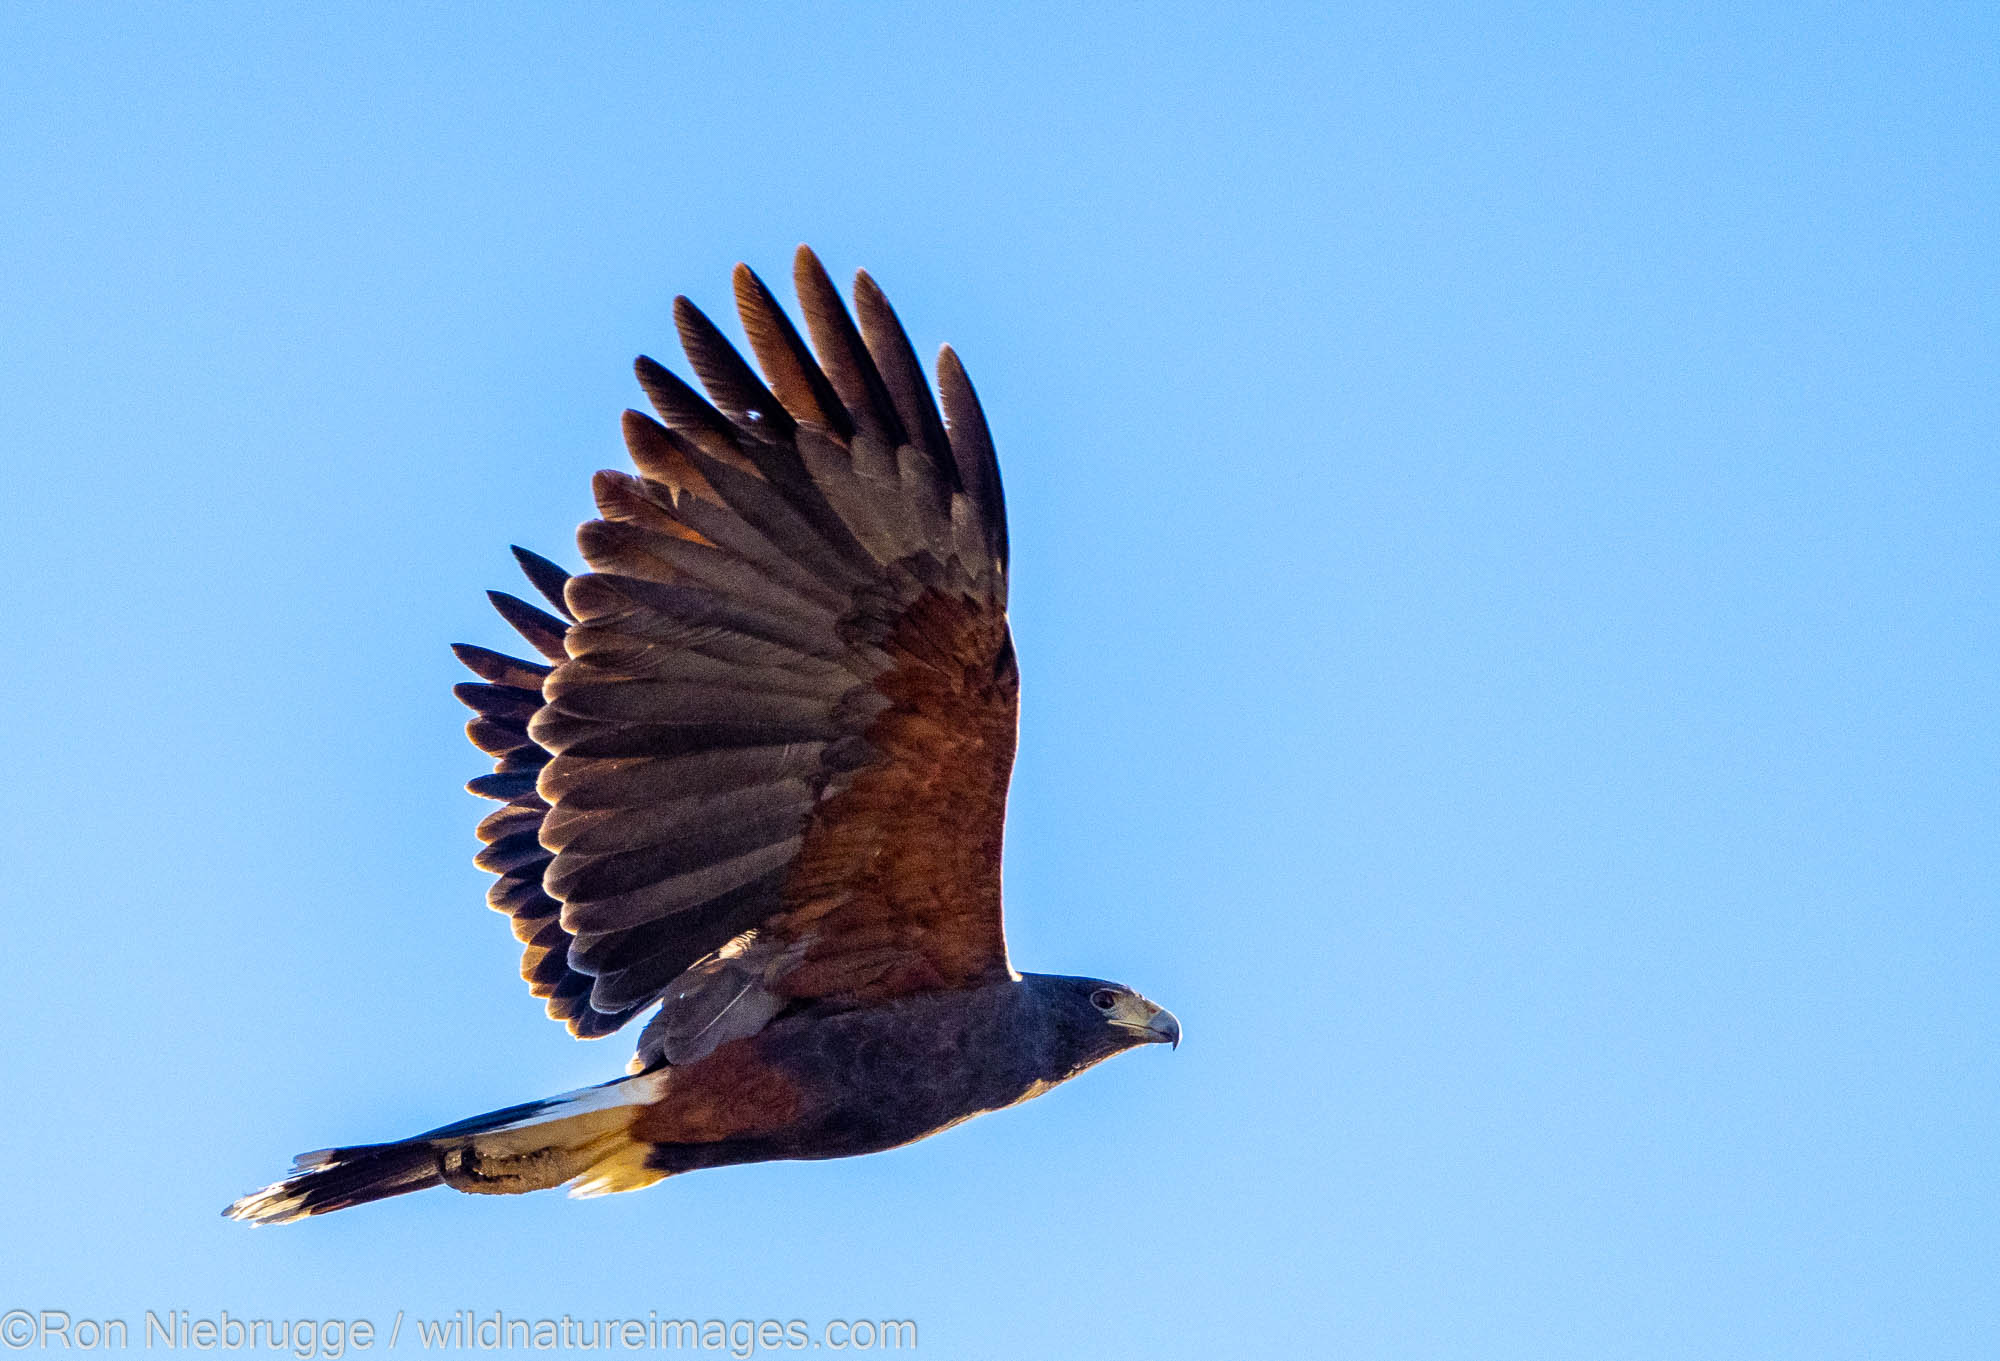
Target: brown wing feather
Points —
{"points": [[896, 888], [783, 703]]}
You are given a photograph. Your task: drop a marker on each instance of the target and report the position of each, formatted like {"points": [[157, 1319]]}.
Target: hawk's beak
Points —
{"points": [[1164, 1028]]}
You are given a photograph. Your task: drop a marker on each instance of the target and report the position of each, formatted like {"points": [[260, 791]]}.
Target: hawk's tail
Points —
{"points": [[581, 1137]]}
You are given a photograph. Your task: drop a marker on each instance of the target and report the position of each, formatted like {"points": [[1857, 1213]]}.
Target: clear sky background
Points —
{"points": [[1506, 512]]}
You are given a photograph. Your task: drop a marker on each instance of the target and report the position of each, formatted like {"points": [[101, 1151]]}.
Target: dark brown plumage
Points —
{"points": [[760, 779]]}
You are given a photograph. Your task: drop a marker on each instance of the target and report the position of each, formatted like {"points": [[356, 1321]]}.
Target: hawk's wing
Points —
{"points": [[767, 758]]}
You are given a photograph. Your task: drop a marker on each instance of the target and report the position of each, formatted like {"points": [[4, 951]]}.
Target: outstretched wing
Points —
{"points": [[767, 757]]}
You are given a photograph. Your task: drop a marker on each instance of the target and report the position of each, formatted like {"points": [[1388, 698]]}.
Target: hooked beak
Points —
{"points": [[1146, 1022]]}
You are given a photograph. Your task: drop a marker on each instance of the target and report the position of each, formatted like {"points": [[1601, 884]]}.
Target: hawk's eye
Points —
{"points": [[1104, 999]]}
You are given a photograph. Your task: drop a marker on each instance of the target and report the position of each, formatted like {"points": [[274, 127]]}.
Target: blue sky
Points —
{"points": [[1505, 509]]}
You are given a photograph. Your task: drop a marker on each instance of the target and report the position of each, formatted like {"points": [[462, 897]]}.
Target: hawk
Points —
{"points": [[758, 779]]}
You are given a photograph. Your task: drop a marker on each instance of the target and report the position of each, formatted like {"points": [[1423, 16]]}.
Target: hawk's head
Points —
{"points": [[1094, 1019]]}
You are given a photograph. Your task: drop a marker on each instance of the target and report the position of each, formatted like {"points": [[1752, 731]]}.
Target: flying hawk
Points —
{"points": [[759, 779]]}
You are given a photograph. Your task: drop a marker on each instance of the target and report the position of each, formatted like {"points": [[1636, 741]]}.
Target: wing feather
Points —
{"points": [[844, 358], [972, 449], [732, 385], [542, 630], [897, 362], [547, 578], [795, 376]]}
